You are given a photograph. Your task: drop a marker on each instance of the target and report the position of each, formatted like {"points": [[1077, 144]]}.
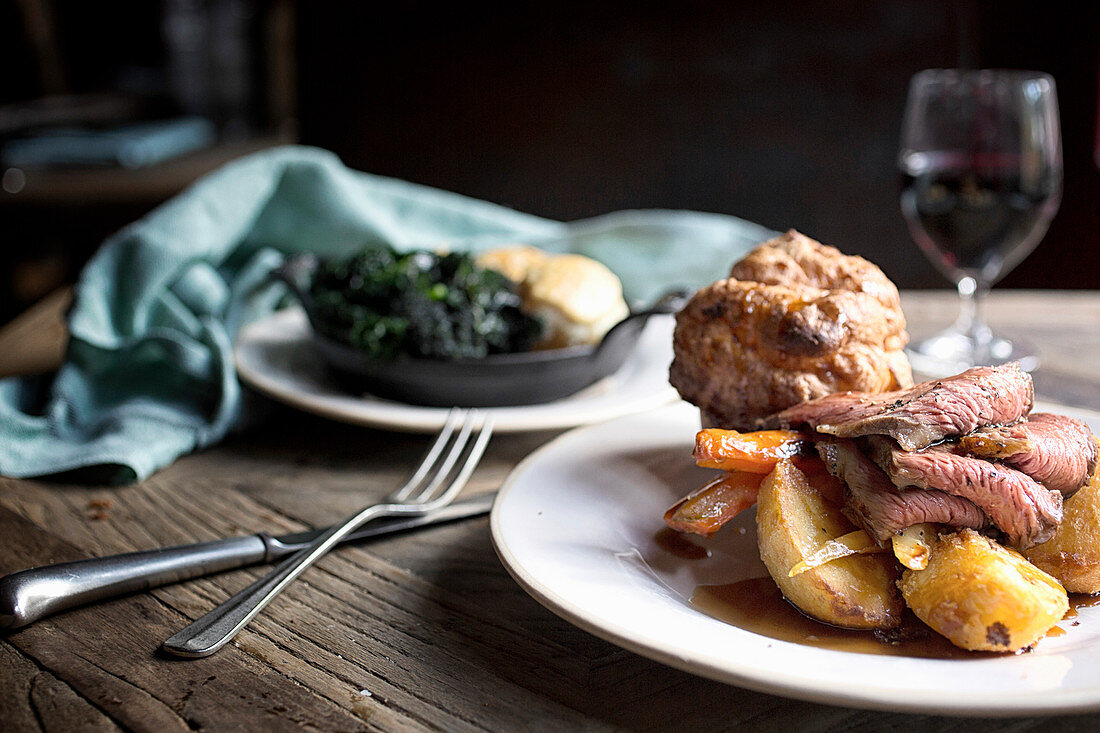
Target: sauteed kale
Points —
{"points": [[421, 304]]}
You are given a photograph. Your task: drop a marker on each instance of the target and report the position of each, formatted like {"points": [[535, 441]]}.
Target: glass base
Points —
{"points": [[950, 352]]}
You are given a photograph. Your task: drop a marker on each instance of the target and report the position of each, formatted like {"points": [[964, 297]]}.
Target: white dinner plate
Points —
{"points": [[576, 525], [274, 355]]}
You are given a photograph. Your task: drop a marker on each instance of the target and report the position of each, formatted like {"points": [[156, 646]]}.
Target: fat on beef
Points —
{"points": [[923, 415], [1057, 451], [880, 508], [1024, 510]]}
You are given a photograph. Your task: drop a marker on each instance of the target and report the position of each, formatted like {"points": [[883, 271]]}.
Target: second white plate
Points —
{"points": [[275, 356]]}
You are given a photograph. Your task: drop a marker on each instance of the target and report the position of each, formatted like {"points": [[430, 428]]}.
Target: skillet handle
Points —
{"points": [[671, 302]]}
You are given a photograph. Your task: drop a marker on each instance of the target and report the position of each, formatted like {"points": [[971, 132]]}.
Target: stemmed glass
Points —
{"points": [[981, 165]]}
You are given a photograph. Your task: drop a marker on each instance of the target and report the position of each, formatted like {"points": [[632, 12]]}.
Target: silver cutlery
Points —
{"points": [[29, 595], [428, 490]]}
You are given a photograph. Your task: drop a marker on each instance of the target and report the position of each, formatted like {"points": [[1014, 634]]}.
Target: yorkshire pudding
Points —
{"points": [[795, 321]]}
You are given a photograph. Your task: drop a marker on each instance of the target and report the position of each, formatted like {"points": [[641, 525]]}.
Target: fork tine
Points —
{"points": [[472, 459], [454, 418], [449, 462], [484, 427]]}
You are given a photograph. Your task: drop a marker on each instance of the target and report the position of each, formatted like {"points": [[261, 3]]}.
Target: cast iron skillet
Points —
{"points": [[498, 380]]}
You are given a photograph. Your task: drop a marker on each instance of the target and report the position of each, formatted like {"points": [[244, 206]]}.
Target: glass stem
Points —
{"points": [[971, 321]]}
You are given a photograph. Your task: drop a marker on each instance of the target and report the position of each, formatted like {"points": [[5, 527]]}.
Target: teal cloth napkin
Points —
{"points": [[148, 375]]}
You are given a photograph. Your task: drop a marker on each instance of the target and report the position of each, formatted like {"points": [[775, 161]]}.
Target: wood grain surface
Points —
{"points": [[424, 631]]}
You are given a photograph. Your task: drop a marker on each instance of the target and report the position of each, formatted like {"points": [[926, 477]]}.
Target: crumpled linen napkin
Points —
{"points": [[148, 375]]}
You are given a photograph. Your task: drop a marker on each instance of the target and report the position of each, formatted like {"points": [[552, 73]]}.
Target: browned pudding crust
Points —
{"points": [[795, 260], [798, 320]]}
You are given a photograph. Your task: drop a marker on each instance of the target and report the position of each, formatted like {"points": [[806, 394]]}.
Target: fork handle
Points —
{"points": [[211, 632]]}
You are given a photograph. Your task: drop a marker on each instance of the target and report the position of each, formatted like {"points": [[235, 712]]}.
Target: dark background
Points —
{"points": [[786, 114]]}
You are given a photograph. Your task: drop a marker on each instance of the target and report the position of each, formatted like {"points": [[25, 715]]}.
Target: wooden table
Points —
{"points": [[421, 631]]}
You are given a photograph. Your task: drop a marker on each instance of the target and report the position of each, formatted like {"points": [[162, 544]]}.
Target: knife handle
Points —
{"points": [[28, 595]]}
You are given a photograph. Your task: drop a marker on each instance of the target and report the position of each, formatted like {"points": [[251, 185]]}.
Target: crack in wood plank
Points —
{"points": [[33, 699]]}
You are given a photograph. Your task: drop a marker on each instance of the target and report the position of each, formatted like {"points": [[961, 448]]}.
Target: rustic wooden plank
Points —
{"points": [[35, 340], [107, 653], [329, 470], [162, 519], [32, 699], [166, 509]]}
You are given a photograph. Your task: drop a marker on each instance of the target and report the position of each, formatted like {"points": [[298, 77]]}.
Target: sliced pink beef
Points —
{"points": [[923, 415], [880, 508], [1057, 451], [1023, 509]]}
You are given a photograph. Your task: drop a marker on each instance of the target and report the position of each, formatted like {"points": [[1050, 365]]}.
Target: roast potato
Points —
{"points": [[1072, 555], [983, 596], [793, 521]]}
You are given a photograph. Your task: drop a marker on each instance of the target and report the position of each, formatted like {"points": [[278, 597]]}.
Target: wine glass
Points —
{"points": [[981, 165]]}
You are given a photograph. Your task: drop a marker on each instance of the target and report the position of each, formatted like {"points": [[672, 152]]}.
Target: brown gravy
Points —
{"points": [[1078, 601], [756, 605]]}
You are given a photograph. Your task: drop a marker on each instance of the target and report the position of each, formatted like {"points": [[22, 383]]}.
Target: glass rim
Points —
{"points": [[980, 75]]}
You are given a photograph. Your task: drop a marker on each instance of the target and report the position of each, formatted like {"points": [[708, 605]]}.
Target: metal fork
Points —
{"points": [[424, 492]]}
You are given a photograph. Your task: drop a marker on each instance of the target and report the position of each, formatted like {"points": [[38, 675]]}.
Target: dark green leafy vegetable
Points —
{"points": [[421, 304]]}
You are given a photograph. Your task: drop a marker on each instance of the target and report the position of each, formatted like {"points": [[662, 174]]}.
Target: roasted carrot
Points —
{"points": [[705, 511], [756, 452]]}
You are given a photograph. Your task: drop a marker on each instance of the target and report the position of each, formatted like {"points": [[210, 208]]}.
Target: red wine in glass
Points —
{"points": [[977, 218], [981, 175]]}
